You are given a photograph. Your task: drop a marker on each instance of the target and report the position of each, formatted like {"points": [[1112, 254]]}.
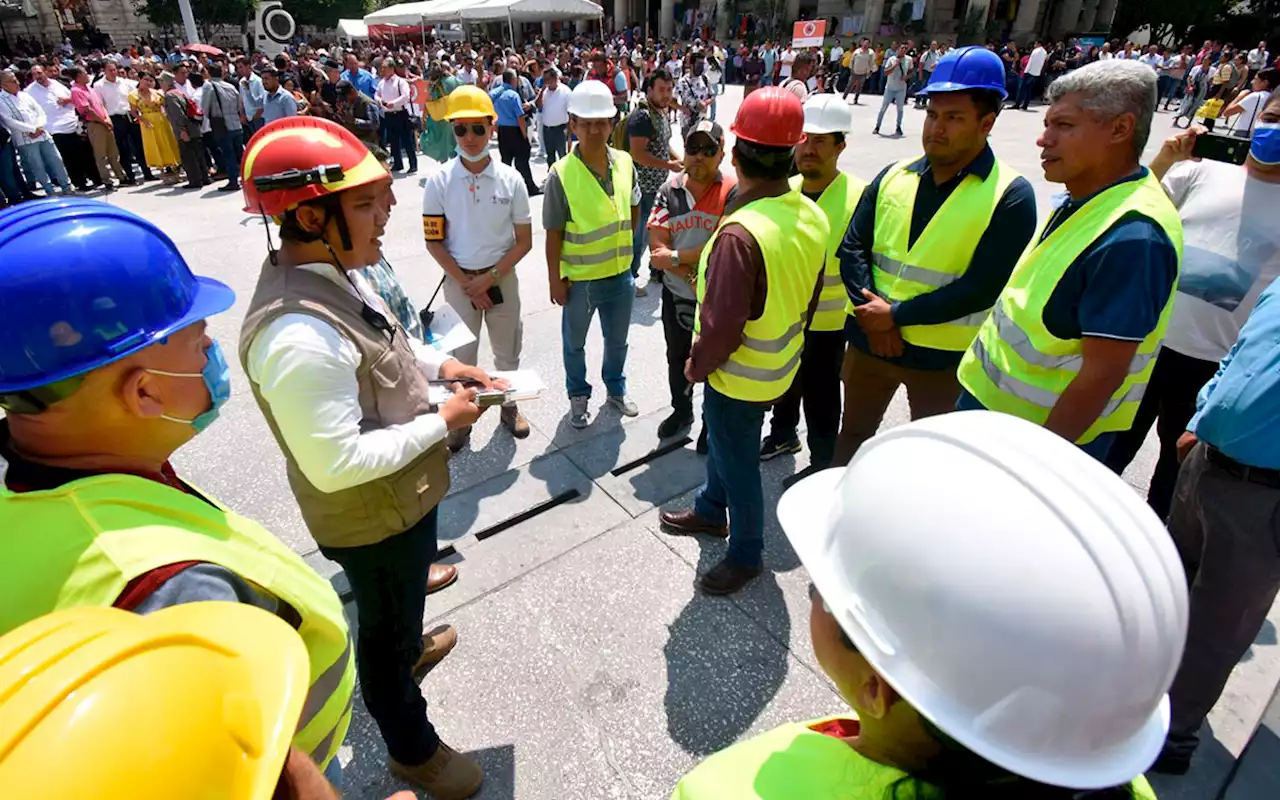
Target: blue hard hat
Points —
{"points": [[972, 67], [83, 284]]}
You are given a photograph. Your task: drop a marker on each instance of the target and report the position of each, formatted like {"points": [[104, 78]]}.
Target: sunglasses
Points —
{"points": [[708, 150], [475, 128]]}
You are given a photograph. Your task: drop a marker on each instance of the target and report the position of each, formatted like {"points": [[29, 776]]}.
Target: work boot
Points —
{"points": [[679, 420], [447, 775], [514, 421], [727, 577], [689, 522], [774, 446], [457, 439], [436, 644]]}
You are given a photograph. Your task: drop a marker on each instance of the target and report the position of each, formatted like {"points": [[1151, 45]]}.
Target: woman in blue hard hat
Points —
{"points": [[982, 663], [106, 369]]}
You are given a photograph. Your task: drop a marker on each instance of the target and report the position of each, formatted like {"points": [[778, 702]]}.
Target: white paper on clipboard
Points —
{"points": [[525, 385], [447, 331]]}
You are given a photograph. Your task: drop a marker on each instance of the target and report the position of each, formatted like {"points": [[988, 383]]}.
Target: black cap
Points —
{"points": [[708, 128]]}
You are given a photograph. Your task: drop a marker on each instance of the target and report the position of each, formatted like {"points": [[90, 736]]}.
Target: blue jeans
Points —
{"points": [[640, 238], [1028, 90], [230, 146], [43, 165], [555, 144], [1098, 448], [897, 97], [733, 474], [613, 298]]}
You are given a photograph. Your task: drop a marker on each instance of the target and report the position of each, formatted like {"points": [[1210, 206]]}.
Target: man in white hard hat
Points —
{"points": [[827, 118], [981, 662], [590, 207]]}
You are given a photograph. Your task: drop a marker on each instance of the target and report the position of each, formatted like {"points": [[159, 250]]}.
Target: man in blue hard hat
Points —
{"points": [[931, 244], [105, 370]]}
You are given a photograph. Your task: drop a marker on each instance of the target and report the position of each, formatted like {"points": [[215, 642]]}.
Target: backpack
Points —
{"points": [[619, 140]]}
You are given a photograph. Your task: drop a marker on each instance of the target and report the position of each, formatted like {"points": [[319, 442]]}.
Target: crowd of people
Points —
{"points": [[1033, 631]]}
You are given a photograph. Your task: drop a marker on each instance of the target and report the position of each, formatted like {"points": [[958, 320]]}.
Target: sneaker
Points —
{"points": [[678, 421], [457, 439], [447, 775], [898, 132], [641, 290], [579, 415], [626, 407], [772, 447]]}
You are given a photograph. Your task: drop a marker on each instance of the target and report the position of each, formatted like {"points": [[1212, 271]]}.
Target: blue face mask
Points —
{"points": [[467, 156], [1265, 144], [217, 379]]}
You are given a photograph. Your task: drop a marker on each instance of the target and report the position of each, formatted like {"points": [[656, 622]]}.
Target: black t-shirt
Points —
{"points": [[307, 81]]}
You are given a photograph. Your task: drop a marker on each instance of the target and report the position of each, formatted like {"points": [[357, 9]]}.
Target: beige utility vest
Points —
{"points": [[393, 391]]}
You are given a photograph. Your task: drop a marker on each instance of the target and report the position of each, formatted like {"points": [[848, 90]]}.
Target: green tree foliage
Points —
{"points": [[239, 13], [326, 13], [1170, 20]]}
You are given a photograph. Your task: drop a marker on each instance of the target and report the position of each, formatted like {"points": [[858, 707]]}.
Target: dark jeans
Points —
{"points": [[1028, 90], [640, 233], [1227, 531], [129, 142], [555, 140], [514, 149], [251, 127], [12, 184], [230, 148], [679, 342], [77, 157], [818, 384], [732, 492], [400, 135], [1098, 448], [389, 584], [1171, 398]]}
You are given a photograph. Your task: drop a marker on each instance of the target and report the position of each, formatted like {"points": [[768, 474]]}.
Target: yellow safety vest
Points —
{"points": [[82, 543], [837, 201], [598, 237], [794, 762], [1016, 365], [792, 234], [941, 254]]}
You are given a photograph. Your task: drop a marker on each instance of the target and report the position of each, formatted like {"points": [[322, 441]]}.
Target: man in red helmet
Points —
{"points": [[346, 393], [758, 283]]}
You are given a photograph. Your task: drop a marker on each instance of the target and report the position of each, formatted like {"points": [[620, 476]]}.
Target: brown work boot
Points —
{"points": [[441, 576], [457, 438], [447, 775], [436, 644], [687, 522], [515, 421]]}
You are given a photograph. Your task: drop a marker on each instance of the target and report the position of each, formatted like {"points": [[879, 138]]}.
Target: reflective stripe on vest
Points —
{"points": [[941, 253], [598, 236], [791, 232], [110, 529], [1016, 366], [838, 202]]}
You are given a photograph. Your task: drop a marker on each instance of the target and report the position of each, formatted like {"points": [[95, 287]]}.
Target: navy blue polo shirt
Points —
{"points": [[1012, 226]]}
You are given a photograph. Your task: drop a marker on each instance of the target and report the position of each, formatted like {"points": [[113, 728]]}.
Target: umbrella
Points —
{"points": [[198, 47]]}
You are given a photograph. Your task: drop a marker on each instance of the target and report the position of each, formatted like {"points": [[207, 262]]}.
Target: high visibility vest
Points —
{"points": [[837, 201], [1016, 365], [794, 762], [597, 238], [941, 254], [82, 543], [792, 234]]}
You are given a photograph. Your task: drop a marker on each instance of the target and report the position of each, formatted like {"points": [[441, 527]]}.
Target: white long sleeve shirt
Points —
{"points": [[393, 92], [62, 117], [305, 370], [23, 116], [115, 94]]}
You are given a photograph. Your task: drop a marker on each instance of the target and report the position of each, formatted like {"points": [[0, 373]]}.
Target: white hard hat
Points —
{"points": [[827, 113], [591, 99], [1015, 591]]}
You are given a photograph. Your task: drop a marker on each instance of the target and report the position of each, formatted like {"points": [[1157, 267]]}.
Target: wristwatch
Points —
{"points": [[493, 273], [675, 259]]}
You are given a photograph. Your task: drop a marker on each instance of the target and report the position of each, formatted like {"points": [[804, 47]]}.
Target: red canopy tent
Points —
{"points": [[393, 32]]}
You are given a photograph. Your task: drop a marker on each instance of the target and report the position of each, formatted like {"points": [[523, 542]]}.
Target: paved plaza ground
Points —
{"points": [[588, 666]]}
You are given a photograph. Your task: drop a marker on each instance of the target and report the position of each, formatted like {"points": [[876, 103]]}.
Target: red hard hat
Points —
{"points": [[303, 143], [770, 116]]}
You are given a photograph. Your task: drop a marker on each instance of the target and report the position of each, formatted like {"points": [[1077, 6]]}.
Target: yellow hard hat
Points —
{"points": [[214, 691], [468, 101]]}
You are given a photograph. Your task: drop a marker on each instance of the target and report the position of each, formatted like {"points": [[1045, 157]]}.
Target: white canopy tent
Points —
{"points": [[484, 11], [352, 29]]}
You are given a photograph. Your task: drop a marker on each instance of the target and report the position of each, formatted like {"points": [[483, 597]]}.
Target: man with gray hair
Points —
{"points": [[1072, 340]]}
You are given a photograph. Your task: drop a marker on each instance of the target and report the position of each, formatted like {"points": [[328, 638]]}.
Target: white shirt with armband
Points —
{"points": [[305, 370]]}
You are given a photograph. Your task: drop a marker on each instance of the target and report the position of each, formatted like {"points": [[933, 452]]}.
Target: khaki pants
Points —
{"points": [[506, 331], [869, 386], [105, 153]]}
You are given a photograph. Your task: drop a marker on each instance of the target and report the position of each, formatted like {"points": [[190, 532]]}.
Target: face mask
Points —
{"points": [[1265, 144], [467, 156], [217, 379]]}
